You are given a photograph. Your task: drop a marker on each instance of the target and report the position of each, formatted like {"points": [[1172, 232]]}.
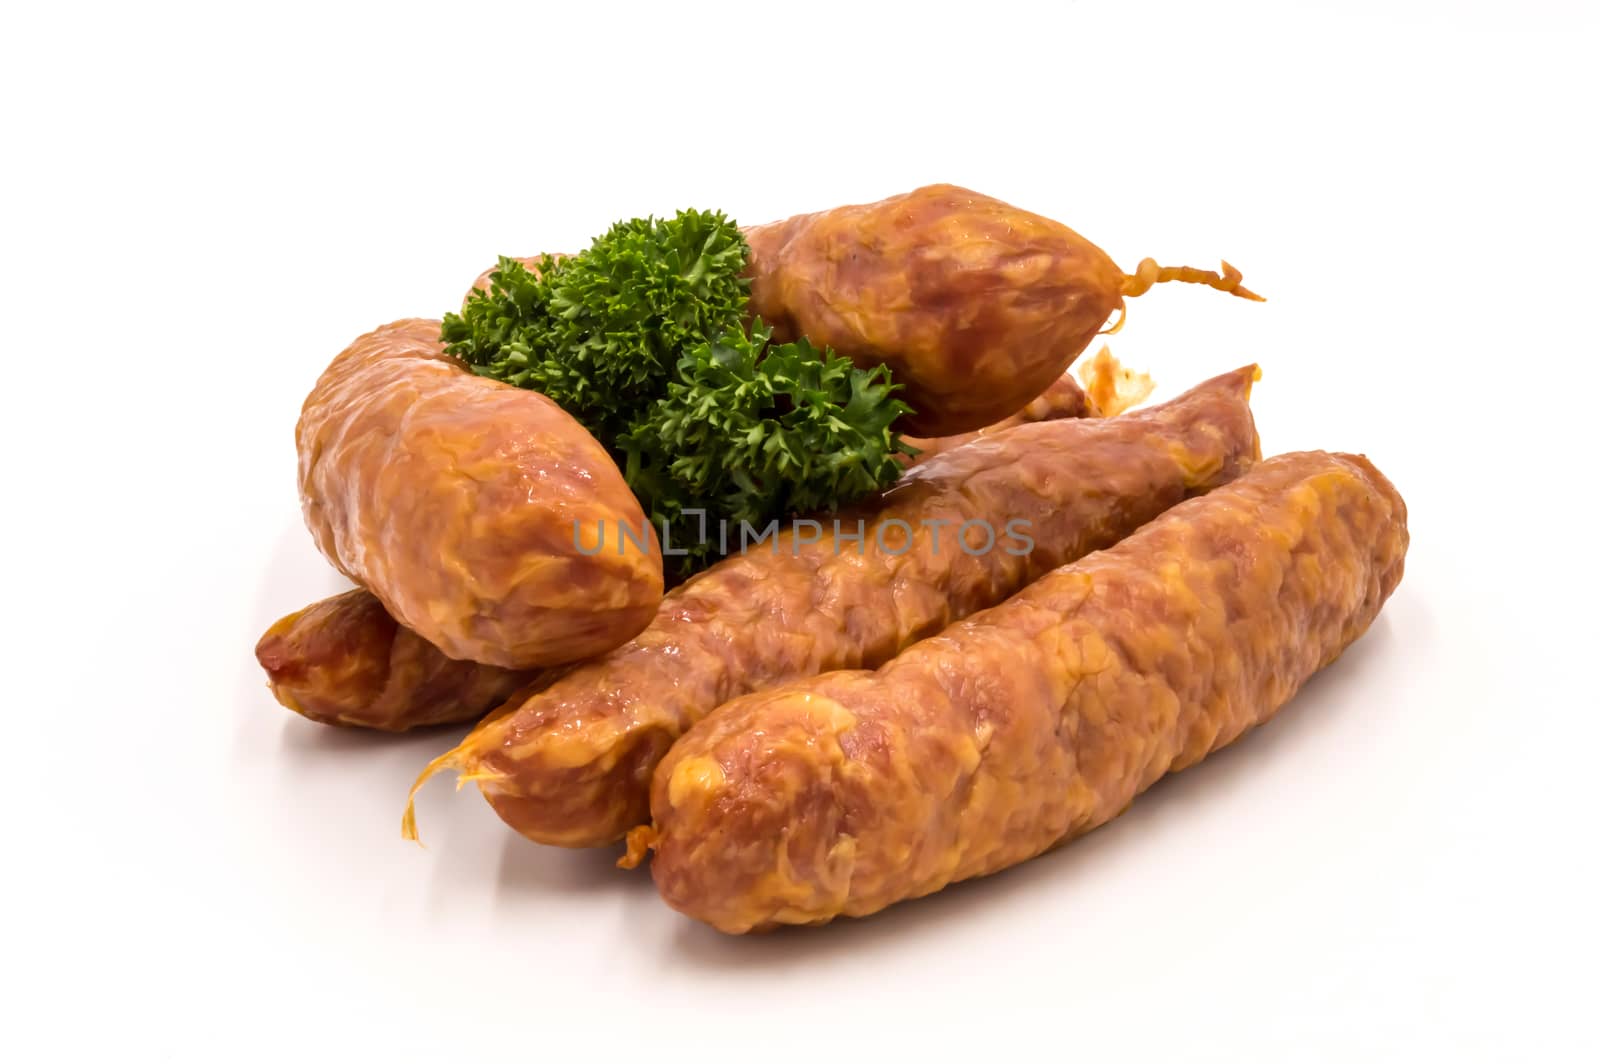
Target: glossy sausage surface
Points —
{"points": [[1033, 722], [973, 304], [976, 306], [1065, 398], [469, 507], [345, 661], [571, 764]]}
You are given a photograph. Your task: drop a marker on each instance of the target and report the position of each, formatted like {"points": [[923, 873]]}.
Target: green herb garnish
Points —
{"points": [[641, 338]]}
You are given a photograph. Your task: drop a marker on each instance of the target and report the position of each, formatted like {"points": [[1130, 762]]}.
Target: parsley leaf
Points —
{"points": [[641, 338]]}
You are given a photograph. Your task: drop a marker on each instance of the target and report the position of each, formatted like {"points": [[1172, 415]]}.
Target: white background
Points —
{"points": [[203, 206]]}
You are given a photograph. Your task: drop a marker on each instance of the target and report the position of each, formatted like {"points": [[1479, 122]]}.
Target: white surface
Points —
{"points": [[203, 207]]}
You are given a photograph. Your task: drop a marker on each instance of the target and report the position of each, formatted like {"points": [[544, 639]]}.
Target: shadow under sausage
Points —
{"points": [[1304, 720], [312, 739], [553, 884], [527, 867]]}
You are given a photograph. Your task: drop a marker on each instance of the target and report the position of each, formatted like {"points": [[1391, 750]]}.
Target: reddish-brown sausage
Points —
{"points": [[460, 503], [976, 306], [1033, 722], [344, 660], [571, 764]]}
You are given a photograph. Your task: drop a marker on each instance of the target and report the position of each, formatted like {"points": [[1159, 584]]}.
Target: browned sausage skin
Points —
{"points": [[1063, 399], [1033, 722], [1108, 390], [345, 661], [460, 502], [973, 304], [571, 764]]}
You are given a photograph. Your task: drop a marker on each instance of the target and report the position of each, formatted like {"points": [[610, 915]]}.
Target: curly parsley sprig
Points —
{"points": [[642, 339]]}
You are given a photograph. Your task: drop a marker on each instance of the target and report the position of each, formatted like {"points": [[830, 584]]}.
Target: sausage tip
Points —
{"points": [[408, 820], [640, 840]]}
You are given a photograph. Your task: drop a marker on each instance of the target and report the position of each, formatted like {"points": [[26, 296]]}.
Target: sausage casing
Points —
{"points": [[460, 502], [571, 764], [1033, 722], [974, 305], [1063, 399], [345, 661]]}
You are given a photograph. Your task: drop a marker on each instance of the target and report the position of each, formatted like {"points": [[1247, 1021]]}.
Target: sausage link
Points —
{"points": [[1033, 722], [457, 501], [571, 765], [973, 304], [345, 661]]}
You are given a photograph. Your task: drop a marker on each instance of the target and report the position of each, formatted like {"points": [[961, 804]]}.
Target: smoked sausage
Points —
{"points": [[345, 661], [1031, 723], [458, 501], [973, 304], [571, 764]]}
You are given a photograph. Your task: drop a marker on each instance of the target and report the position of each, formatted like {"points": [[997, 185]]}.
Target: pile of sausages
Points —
{"points": [[828, 723]]}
